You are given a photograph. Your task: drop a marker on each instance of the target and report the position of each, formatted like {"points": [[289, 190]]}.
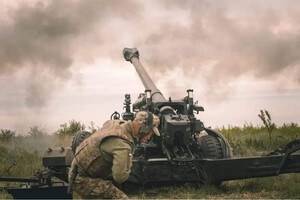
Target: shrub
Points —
{"points": [[71, 128], [36, 131], [92, 127], [6, 135]]}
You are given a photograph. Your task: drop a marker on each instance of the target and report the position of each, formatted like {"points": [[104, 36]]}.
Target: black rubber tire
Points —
{"points": [[211, 147], [79, 137]]}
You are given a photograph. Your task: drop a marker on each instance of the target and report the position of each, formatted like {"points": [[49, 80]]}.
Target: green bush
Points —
{"points": [[36, 131], [71, 128], [6, 135], [92, 127]]}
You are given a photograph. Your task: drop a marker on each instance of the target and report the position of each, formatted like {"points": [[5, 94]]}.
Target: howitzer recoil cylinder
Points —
{"points": [[132, 55]]}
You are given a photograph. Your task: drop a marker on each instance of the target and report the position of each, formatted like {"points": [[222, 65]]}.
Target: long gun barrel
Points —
{"points": [[132, 55]]}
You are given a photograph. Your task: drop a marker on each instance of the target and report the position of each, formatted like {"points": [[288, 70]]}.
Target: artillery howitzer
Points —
{"points": [[186, 151]]}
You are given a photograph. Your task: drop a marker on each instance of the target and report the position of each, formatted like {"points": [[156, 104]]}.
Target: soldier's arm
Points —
{"points": [[119, 152], [122, 161]]}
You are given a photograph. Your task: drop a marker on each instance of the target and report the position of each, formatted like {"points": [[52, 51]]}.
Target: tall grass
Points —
{"points": [[252, 140], [26, 153], [281, 187], [22, 155], [17, 161]]}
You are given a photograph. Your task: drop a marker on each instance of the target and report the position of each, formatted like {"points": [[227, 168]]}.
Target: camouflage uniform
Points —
{"points": [[107, 152], [95, 188]]}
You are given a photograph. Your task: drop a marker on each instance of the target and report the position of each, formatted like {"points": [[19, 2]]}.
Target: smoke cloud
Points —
{"points": [[208, 41], [44, 37], [222, 41]]}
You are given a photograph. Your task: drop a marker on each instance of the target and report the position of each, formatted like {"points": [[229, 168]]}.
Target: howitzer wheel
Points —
{"points": [[210, 147], [78, 138]]}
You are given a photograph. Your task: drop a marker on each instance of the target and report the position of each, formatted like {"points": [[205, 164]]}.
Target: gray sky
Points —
{"points": [[59, 64]]}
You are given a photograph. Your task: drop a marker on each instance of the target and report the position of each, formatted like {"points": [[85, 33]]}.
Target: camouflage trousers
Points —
{"points": [[96, 188]]}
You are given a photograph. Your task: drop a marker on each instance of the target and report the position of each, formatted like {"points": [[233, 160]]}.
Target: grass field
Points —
{"points": [[23, 155]]}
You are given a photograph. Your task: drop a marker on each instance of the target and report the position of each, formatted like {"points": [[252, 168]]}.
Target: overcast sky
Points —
{"points": [[62, 60]]}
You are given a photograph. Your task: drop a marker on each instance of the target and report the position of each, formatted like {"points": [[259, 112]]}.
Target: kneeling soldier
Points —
{"points": [[109, 152]]}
